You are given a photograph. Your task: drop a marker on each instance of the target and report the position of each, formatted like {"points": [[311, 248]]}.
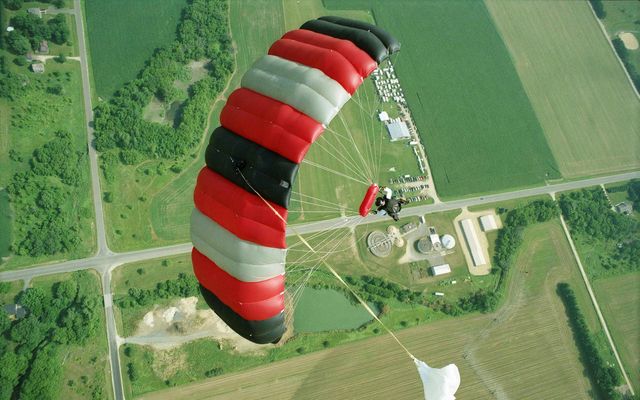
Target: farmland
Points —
{"points": [[620, 300], [586, 106], [120, 42], [480, 131], [525, 350]]}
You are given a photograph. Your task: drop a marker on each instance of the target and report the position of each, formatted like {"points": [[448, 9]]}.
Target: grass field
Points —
{"points": [[619, 298], [5, 222], [86, 365], [7, 296], [525, 350], [480, 131], [585, 104], [623, 16], [124, 34], [31, 122]]}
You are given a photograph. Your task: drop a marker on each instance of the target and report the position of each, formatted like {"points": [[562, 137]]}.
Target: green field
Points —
{"points": [[480, 131], [623, 16], [584, 102], [5, 222], [619, 298], [525, 350], [86, 372], [31, 122], [124, 34], [9, 291]]}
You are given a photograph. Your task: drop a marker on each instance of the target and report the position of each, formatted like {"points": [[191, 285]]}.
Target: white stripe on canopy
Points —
{"points": [[304, 88], [243, 260]]}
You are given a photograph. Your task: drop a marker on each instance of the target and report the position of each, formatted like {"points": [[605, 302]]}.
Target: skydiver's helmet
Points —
{"points": [[380, 201]]}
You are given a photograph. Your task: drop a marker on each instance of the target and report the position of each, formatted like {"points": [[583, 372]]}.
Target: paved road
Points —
{"points": [[103, 248], [456, 204], [102, 263]]}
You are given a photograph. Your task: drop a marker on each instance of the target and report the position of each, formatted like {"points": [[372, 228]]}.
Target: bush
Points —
{"points": [[598, 8]]}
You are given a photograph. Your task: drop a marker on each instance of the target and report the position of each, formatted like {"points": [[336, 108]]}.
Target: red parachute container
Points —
{"points": [[368, 199]]}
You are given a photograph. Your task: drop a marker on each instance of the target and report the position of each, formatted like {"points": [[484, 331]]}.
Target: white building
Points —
{"points": [[488, 222], [472, 240], [448, 241], [398, 131], [383, 116], [442, 269]]}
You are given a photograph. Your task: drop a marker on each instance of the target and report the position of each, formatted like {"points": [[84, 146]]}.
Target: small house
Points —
{"points": [[15, 311], [44, 47], [38, 68], [625, 208]]}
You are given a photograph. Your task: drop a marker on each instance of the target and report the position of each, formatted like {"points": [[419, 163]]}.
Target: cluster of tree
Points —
{"points": [[589, 213], [47, 225], [184, 286], [623, 53], [604, 377], [30, 30], [480, 300], [12, 86], [598, 8], [592, 221], [30, 346], [377, 289], [633, 192], [17, 4], [119, 125]]}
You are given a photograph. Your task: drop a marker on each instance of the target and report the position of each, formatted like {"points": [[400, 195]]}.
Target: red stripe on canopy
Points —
{"points": [[357, 57], [242, 213], [270, 123], [251, 300], [332, 63]]}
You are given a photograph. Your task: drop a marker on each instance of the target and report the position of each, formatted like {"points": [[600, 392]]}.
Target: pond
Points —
{"points": [[5, 224], [327, 309]]}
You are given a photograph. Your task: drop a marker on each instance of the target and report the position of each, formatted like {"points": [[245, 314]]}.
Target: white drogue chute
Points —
{"points": [[439, 383]]}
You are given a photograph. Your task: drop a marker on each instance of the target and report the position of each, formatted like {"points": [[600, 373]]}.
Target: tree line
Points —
{"points": [[185, 285], [119, 124], [31, 347], [46, 223], [604, 377], [623, 53]]}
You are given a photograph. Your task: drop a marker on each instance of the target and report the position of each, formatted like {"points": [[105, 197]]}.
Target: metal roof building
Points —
{"points": [[398, 131], [488, 223], [440, 269], [473, 242]]}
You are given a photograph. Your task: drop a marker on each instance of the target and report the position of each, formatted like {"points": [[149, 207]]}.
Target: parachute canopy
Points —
{"points": [[286, 100], [439, 383]]}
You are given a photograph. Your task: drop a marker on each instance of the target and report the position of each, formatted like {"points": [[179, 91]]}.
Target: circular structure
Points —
{"points": [[398, 242], [379, 244], [629, 40], [424, 245], [448, 241]]}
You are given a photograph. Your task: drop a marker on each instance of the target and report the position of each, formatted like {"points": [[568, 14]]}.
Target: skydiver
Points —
{"points": [[387, 204]]}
